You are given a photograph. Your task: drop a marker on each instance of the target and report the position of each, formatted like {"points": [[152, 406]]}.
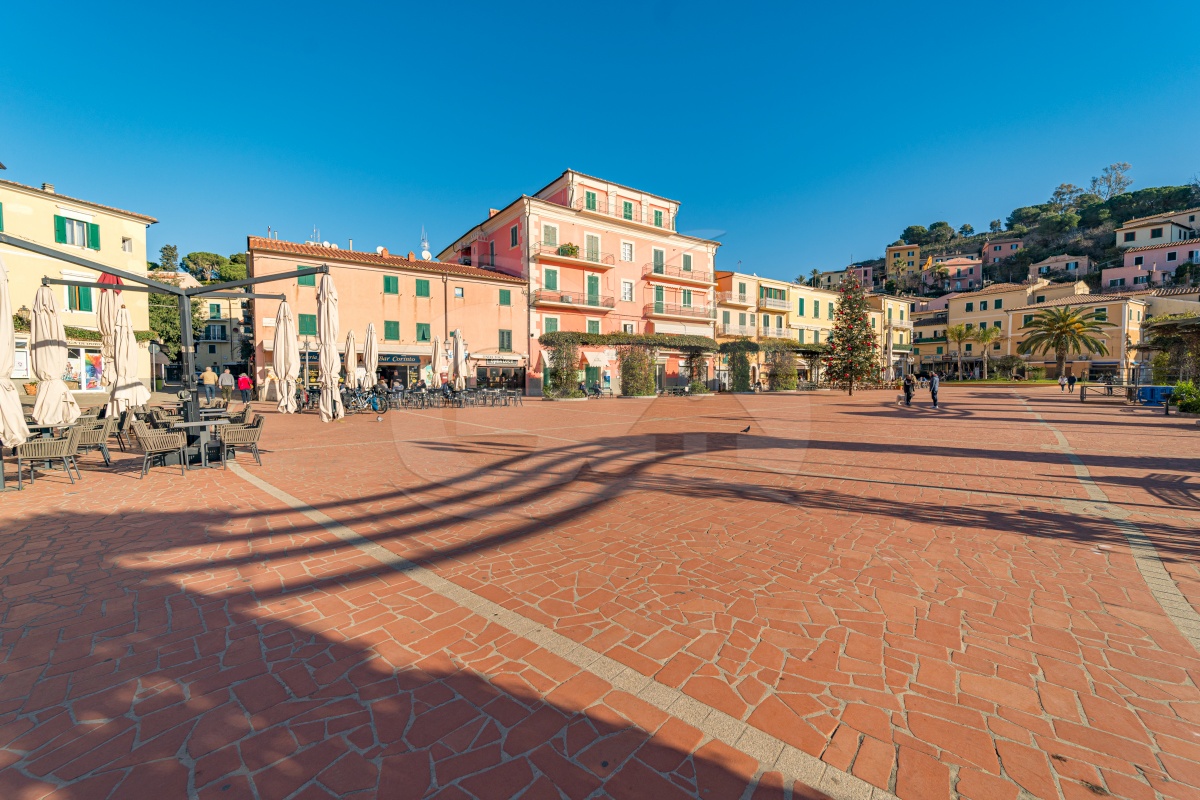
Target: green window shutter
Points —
{"points": [[939, 351], [627, 210], [93, 234], [306, 280], [817, 309], [60, 229], [687, 262], [829, 311], [214, 310], [307, 325], [506, 341], [85, 299], [423, 290], [725, 317], [422, 331], [660, 258], [506, 297], [552, 280], [512, 236], [593, 326], [801, 332], [658, 219], [550, 236], [551, 325], [391, 284], [800, 308], [590, 200], [391, 330], [816, 337]]}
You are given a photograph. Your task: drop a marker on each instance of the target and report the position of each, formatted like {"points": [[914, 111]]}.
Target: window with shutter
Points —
{"points": [[422, 288], [687, 262], [391, 330], [801, 333], [593, 326], [550, 324], [214, 310], [550, 235], [817, 309], [687, 297], [60, 229], [422, 331], [589, 199], [725, 317], [391, 284], [800, 307], [306, 280], [592, 247], [93, 236], [506, 297], [660, 258], [306, 324], [505, 341], [627, 210], [658, 219], [1, 216], [79, 299], [829, 311], [551, 280], [512, 236]]}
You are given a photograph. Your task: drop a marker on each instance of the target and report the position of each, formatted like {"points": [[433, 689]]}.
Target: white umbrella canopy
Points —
{"points": [[460, 362], [437, 362], [351, 361], [48, 357], [286, 353], [127, 390], [371, 353], [13, 430], [106, 318], [327, 331]]}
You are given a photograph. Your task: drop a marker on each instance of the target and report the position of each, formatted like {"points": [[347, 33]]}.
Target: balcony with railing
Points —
{"points": [[731, 329], [636, 216], [774, 303], [735, 299], [661, 309], [774, 333], [667, 272], [599, 303], [900, 324], [569, 253]]}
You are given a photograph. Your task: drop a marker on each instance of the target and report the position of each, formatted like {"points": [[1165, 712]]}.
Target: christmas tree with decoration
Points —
{"points": [[853, 353]]}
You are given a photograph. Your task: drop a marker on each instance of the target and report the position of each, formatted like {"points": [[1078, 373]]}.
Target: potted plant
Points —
{"points": [[31, 388], [569, 250]]}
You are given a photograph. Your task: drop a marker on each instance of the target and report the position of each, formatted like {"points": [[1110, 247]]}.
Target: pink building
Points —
{"points": [[865, 275], [1151, 264], [411, 302], [998, 250], [599, 257], [957, 274]]}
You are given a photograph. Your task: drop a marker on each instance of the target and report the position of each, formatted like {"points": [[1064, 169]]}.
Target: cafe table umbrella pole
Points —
{"points": [[371, 354], [351, 361], [127, 390]]}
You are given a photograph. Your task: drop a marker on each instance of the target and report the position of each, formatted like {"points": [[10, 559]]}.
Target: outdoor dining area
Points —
{"points": [[55, 435]]}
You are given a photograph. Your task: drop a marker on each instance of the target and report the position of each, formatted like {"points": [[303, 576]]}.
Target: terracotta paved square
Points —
{"points": [[621, 598]]}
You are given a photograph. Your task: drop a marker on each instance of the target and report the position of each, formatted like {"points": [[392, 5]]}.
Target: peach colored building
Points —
{"points": [[1150, 265], [1072, 266], [410, 302], [599, 257], [954, 273], [997, 250], [1176, 226]]}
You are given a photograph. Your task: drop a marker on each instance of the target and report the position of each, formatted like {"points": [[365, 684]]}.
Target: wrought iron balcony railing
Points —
{"points": [[581, 299], [674, 310], [654, 270], [636, 215], [573, 252]]}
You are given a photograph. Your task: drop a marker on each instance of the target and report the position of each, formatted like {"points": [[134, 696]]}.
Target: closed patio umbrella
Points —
{"points": [[459, 351], [437, 362], [286, 352], [127, 390], [327, 354], [48, 356], [106, 317], [13, 430], [371, 354], [351, 361]]}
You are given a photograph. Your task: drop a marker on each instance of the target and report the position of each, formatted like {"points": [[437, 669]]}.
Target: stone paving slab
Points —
{"points": [[627, 599]]}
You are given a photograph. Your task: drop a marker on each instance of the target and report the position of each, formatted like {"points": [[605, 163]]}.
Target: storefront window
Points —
{"points": [[83, 368]]}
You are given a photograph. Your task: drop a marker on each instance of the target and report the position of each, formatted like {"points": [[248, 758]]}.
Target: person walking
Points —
{"points": [[934, 383], [208, 379], [1062, 383], [1071, 384], [245, 385], [909, 385], [226, 383]]}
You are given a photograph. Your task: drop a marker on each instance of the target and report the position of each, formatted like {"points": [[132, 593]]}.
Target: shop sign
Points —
{"points": [[396, 358], [487, 361]]}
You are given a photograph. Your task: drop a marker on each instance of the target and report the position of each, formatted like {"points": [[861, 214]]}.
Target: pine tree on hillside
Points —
{"points": [[852, 353]]}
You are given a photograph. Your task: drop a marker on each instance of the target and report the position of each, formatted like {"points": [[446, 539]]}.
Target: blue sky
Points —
{"points": [[798, 134]]}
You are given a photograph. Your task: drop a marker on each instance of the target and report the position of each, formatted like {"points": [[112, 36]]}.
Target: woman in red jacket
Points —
{"points": [[245, 385]]}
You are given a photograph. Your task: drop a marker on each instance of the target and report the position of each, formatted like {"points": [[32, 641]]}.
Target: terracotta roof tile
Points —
{"points": [[64, 197], [1163, 215], [994, 288], [318, 253], [1177, 243], [1077, 300]]}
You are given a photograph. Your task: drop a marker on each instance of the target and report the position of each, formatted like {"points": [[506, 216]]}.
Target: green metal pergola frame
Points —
{"points": [[140, 283]]}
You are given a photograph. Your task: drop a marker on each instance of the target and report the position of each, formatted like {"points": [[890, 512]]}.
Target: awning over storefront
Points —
{"points": [[596, 359]]}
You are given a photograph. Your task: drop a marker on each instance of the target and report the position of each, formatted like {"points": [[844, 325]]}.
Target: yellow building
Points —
{"points": [[224, 324], [891, 318], [88, 230], [1126, 312]]}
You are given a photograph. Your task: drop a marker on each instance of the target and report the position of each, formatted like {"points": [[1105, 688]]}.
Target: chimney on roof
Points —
{"points": [[383, 252], [48, 187], [412, 256], [493, 212]]}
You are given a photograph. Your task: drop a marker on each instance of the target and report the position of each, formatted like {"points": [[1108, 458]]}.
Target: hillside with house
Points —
{"points": [[1109, 235]]}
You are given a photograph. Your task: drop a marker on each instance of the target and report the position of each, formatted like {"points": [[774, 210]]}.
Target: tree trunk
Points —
{"points": [[985, 362], [960, 372], [1061, 357]]}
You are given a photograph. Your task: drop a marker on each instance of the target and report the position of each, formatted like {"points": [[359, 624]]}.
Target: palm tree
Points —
{"points": [[986, 337], [1063, 330], [814, 278], [959, 335], [942, 273]]}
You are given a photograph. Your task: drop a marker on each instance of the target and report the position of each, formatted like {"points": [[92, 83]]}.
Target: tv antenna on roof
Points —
{"points": [[425, 254], [316, 235]]}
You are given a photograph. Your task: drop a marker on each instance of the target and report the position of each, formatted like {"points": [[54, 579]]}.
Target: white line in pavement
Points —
{"points": [[772, 753]]}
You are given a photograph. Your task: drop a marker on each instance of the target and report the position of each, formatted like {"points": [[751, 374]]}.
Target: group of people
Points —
{"points": [[1066, 383], [211, 381], [910, 383]]}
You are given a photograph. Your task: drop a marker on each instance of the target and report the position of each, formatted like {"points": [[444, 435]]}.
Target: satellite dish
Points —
{"points": [[426, 255], [379, 250], [333, 246], [324, 244]]}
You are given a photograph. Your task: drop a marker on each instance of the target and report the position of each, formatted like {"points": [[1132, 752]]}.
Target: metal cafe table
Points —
{"points": [[204, 437]]}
